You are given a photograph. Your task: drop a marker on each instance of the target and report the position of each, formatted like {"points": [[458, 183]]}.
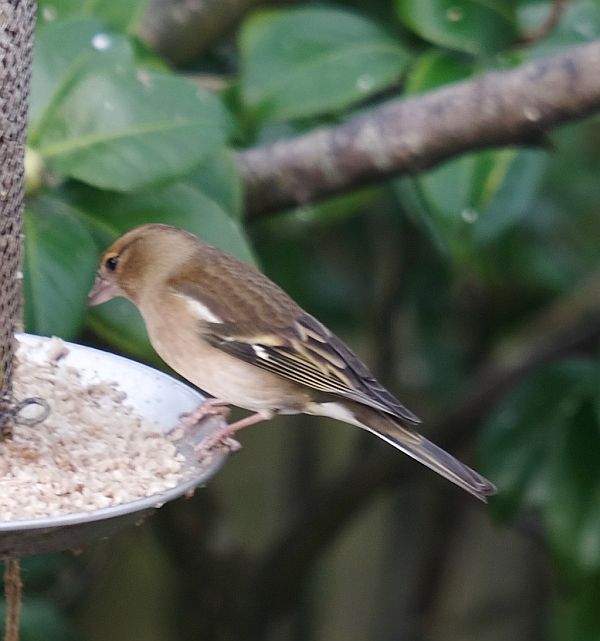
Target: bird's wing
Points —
{"points": [[269, 330], [307, 353]]}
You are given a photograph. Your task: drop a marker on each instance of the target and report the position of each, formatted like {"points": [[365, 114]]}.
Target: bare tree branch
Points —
{"points": [[281, 571], [499, 108]]}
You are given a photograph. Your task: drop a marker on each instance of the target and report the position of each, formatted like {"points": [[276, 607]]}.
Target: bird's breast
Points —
{"points": [[221, 375]]}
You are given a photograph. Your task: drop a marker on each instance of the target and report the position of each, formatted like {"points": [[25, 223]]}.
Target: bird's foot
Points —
{"points": [[191, 420], [215, 441], [223, 437]]}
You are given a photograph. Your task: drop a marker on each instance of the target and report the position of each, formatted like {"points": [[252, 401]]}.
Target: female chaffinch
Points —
{"points": [[231, 331]]}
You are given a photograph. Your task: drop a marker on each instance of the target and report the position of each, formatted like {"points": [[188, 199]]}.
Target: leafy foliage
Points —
{"points": [[467, 25], [307, 62], [99, 119], [485, 246]]}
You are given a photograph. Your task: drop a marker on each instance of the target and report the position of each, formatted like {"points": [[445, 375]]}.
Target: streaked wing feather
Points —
{"points": [[309, 354], [370, 386]]}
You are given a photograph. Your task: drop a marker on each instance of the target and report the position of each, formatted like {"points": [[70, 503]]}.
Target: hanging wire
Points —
{"points": [[17, 21], [13, 591]]}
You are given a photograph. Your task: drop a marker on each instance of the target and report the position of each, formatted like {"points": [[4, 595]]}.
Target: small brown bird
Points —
{"points": [[232, 332]]}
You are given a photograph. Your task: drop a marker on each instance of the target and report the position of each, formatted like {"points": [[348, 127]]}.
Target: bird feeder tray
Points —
{"points": [[153, 396]]}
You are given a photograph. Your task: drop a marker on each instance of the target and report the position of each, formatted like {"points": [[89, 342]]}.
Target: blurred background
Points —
{"points": [[472, 290]]}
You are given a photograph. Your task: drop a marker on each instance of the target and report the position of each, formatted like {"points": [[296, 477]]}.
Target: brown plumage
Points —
{"points": [[239, 337]]}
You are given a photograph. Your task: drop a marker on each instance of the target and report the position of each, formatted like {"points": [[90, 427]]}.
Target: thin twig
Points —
{"points": [[547, 27]]}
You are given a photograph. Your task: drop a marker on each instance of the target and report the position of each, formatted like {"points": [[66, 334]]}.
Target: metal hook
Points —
{"points": [[13, 412]]}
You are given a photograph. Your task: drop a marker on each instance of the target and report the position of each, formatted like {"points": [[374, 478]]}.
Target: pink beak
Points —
{"points": [[102, 291]]}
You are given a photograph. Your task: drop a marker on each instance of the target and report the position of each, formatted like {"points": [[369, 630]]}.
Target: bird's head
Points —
{"points": [[143, 256]]}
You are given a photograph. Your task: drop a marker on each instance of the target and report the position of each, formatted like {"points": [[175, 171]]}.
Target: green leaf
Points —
{"points": [[542, 448], [219, 179], [335, 209], [147, 128], [183, 204], [577, 617], [509, 186], [519, 441], [116, 14], [60, 260], [472, 200], [110, 125], [473, 26], [435, 68], [63, 53], [186, 205], [302, 62], [475, 198], [573, 514]]}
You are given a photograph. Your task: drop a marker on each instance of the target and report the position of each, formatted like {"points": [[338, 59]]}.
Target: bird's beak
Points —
{"points": [[102, 291]]}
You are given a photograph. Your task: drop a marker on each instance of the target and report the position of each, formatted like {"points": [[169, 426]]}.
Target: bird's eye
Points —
{"points": [[111, 263]]}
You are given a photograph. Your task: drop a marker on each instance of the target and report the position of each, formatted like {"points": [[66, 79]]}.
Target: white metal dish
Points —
{"points": [[153, 395]]}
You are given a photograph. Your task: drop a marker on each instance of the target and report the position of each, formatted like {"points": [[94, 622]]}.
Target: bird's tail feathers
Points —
{"points": [[429, 454]]}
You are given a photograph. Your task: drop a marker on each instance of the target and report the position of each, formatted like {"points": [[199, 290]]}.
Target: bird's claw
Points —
{"points": [[205, 448], [209, 407], [189, 420]]}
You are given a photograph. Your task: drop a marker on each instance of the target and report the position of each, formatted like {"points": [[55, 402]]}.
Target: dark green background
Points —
{"points": [[434, 279]]}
